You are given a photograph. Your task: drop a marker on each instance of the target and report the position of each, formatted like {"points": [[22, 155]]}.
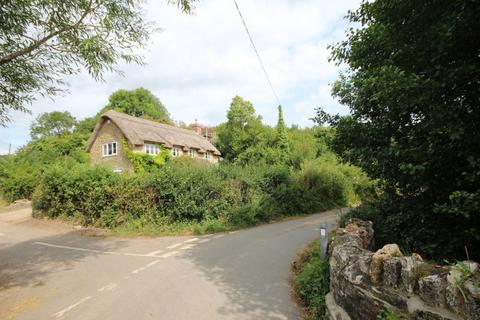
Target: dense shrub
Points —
{"points": [[193, 192], [20, 173], [94, 195], [16, 184], [189, 192]]}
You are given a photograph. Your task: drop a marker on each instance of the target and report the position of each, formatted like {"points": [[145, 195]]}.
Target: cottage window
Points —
{"points": [[152, 148], [110, 149], [192, 153], [175, 152], [207, 155]]}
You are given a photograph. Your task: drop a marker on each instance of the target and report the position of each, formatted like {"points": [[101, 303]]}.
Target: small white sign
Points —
{"points": [[323, 232]]}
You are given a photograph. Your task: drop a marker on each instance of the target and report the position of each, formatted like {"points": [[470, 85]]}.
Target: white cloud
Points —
{"points": [[199, 62]]}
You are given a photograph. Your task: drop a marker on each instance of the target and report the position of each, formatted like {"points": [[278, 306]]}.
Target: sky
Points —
{"points": [[197, 63]]}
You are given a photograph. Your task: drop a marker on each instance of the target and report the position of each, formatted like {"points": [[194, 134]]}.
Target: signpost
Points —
{"points": [[323, 239]]}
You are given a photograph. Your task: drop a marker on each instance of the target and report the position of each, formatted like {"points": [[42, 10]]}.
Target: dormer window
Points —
{"points": [[110, 149], [152, 148]]}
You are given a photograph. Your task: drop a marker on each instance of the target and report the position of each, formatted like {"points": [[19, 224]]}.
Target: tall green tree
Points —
{"points": [[282, 137], [413, 91], [242, 131], [52, 124], [138, 103], [42, 41]]}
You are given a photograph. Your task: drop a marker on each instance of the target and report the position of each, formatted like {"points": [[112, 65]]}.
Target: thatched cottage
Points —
{"points": [[105, 144]]}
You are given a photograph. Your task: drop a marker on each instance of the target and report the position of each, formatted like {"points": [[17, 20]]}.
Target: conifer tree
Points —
{"points": [[282, 136]]}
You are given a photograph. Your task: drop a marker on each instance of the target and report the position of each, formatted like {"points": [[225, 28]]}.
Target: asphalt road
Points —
{"points": [[49, 271]]}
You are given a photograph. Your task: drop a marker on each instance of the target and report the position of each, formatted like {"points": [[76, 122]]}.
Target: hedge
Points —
{"points": [[189, 192]]}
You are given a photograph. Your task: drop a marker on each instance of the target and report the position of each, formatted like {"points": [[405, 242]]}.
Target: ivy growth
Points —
{"points": [[143, 162]]}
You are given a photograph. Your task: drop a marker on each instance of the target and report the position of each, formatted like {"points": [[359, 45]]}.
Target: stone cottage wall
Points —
{"points": [[110, 132], [362, 282]]}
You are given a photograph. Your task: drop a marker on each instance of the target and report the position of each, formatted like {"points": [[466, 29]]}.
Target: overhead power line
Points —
{"points": [[256, 52]]}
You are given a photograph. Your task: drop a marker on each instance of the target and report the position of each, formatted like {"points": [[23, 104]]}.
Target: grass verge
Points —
{"points": [[140, 228], [311, 280], [143, 228]]}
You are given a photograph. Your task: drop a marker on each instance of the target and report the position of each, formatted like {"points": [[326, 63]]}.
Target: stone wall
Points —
{"points": [[362, 282], [110, 132]]}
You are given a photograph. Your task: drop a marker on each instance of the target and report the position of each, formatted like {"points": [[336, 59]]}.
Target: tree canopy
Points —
{"points": [[138, 103], [52, 124], [244, 139], [412, 88], [43, 41], [242, 130]]}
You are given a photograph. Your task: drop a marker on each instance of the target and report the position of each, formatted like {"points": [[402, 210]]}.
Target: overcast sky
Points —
{"points": [[199, 62]]}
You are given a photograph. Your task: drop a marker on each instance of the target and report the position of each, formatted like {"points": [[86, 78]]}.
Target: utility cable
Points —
{"points": [[256, 52]]}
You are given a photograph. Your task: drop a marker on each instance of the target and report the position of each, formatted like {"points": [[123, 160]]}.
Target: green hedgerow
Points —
{"points": [[312, 281]]}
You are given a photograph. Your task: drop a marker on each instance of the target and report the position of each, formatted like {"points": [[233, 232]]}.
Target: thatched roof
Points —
{"points": [[139, 131]]}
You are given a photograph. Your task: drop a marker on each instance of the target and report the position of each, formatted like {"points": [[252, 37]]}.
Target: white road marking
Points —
{"points": [[60, 313], [108, 287], [145, 267], [218, 236], [168, 254], [188, 246], [93, 250], [190, 240], [138, 270], [174, 245], [204, 240], [152, 263], [154, 253], [232, 232]]}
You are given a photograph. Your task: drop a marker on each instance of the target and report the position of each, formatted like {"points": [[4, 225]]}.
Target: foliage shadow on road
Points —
{"points": [[28, 264]]}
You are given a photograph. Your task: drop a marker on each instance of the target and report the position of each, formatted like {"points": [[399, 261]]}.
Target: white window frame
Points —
{"points": [[192, 153], [207, 155], [110, 149], [151, 148], [176, 152]]}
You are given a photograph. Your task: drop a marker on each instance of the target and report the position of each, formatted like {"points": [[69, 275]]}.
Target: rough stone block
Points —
{"points": [[472, 304], [463, 295], [420, 310], [361, 229], [347, 239], [453, 296], [392, 272], [393, 297], [432, 290], [409, 264], [376, 268], [333, 310], [427, 315], [359, 303], [350, 263]]}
